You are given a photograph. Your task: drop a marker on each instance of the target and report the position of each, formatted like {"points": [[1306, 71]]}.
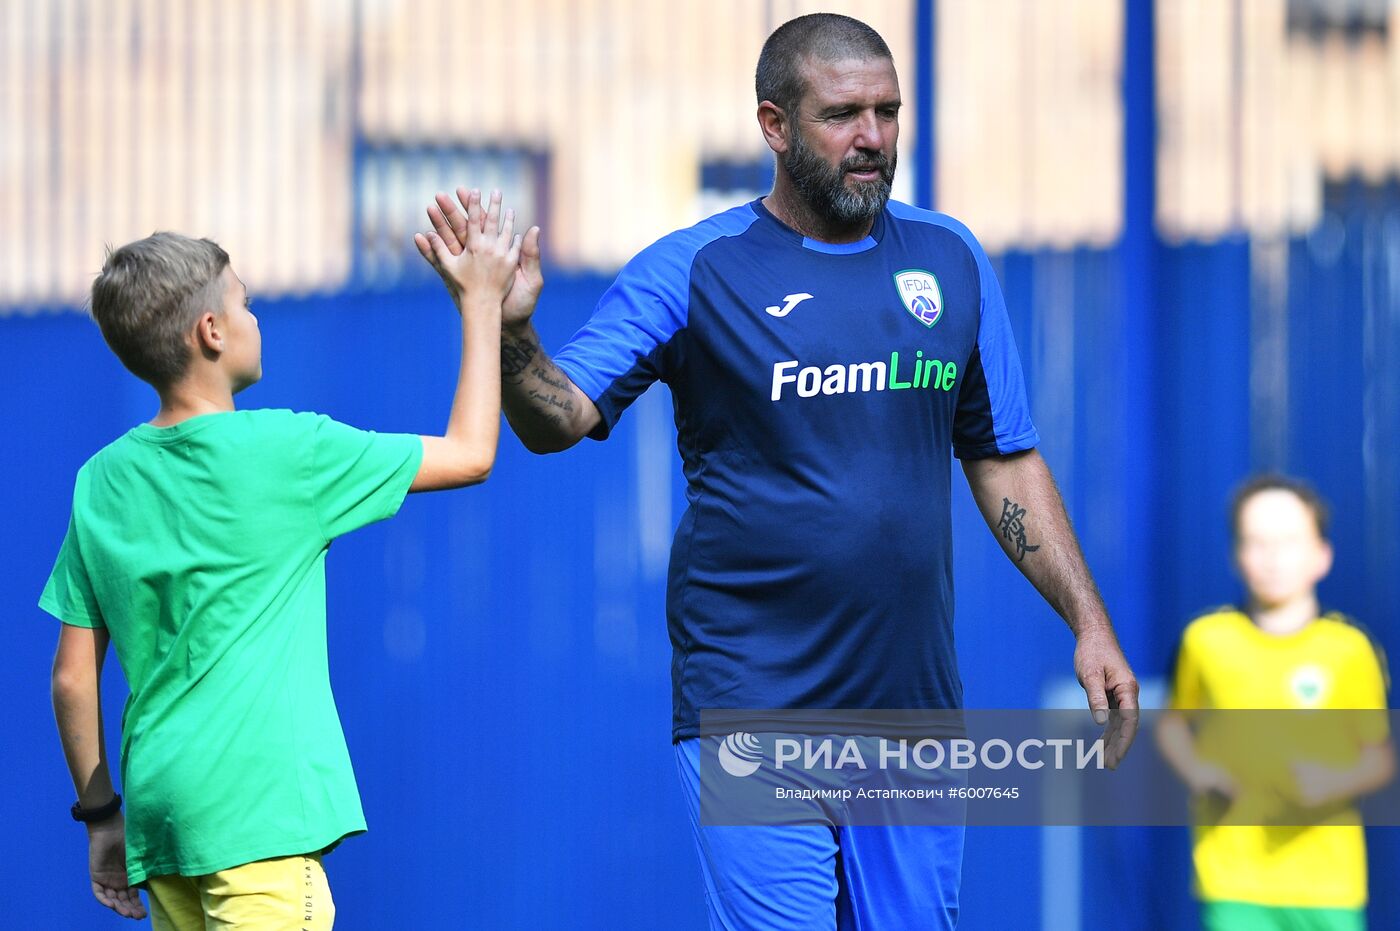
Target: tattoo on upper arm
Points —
{"points": [[1013, 529], [516, 356]]}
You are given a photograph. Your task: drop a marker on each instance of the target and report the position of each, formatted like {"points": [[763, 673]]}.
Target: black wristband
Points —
{"points": [[101, 813]]}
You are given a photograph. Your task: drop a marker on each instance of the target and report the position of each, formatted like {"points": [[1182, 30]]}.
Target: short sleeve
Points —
{"points": [[993, 417], [1366, 684], [359, 477], [1185, 690], [68, 594], [617, 354]]}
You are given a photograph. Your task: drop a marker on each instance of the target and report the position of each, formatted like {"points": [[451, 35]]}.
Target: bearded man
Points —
{"points": [[826, 348]]}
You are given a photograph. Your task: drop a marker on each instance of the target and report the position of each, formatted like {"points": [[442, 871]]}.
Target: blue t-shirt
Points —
{"points": [[818, 389]]}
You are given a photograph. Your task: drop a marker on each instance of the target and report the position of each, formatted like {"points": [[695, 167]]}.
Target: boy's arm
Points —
{"points": [[77, 708], [476, 278], [1365, 686], [547, 411], [466, 451], [1178, 746], [1324, 785]]}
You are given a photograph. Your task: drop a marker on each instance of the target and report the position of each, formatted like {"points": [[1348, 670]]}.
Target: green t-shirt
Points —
{"points": [[201, 548]]}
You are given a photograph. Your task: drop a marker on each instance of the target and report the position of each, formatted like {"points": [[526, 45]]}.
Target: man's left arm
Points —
{"points": [[1018, 498]]}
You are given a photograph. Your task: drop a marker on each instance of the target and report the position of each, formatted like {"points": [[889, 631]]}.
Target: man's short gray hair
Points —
{"points": [[149, 294], [823, 36]]}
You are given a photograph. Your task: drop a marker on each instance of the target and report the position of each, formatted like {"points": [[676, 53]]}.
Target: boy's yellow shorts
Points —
{"points": [[285, 892]]}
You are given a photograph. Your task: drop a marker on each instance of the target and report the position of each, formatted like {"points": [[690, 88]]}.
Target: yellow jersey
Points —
{"points": [[1226, 662]]}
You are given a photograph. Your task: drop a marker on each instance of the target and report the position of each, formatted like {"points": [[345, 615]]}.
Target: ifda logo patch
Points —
{"points": [[921, 295]]}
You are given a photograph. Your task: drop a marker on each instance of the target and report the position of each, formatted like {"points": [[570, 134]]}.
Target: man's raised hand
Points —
{"points": [[519, 304]]}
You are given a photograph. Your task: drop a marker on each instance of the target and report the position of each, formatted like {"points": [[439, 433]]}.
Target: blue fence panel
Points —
{"points": [[500, 653]]}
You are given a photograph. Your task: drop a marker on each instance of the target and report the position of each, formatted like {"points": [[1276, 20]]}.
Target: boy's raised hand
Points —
{"points": [[484, 260], [451, 225]]}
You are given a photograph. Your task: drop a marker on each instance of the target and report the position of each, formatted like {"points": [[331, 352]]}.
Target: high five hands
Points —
{"points": [[480, 256], [455, 227]]}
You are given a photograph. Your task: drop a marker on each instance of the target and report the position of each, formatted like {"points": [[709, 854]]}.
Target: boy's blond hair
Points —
{"points": [[149, 294]]}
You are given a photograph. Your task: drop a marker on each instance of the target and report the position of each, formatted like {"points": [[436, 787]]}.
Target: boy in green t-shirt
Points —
{"points": [[197, 545]]}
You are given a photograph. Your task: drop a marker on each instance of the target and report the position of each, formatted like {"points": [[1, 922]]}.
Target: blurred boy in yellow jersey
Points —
{"points": [[1279, 652]]}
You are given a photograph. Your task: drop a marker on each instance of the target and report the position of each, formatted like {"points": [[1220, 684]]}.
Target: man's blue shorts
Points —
{"points": [[821, 877]]}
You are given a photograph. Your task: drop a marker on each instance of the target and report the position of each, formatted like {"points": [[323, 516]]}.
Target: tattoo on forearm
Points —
{"points": [[516, 356], [546, 392], [554, 380], [551, 400], [1013, 528]]}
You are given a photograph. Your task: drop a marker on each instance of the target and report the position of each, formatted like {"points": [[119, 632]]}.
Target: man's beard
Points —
{"points": [[824, 189]]}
